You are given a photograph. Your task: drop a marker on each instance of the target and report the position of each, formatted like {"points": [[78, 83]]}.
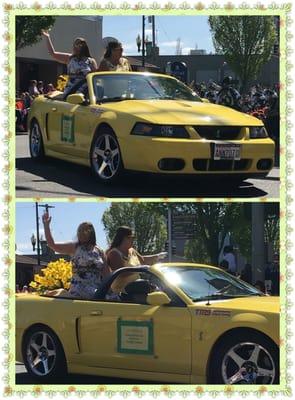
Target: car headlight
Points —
{"points": [[258, 132], [168, 131]]}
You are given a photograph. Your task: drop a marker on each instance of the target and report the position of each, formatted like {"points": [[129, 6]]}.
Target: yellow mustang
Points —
{"points": [[147, 122], [181, 323]]}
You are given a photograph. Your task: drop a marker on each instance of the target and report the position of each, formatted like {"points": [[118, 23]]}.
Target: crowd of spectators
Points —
{"points": [[269, 285], [257, 100], [24, 100]]}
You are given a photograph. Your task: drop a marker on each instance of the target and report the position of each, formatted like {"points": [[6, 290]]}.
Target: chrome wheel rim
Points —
{"points": [[41, 353], [106, 156], [248, 363], [35, 141]]}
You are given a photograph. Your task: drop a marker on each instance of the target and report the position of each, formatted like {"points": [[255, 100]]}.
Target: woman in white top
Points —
{"points": [[89, 262], [122, 254], [113, 60], [79, 63]]}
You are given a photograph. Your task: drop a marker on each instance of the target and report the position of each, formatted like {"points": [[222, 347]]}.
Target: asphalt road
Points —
{"points": [[22, 378], [56, 178]]}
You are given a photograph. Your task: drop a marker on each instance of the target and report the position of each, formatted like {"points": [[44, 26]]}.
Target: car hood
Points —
{"points": [[255, 304], [183, 112]]}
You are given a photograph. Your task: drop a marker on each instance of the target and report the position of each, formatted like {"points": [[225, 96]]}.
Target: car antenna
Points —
{"points": [[208, 302]]}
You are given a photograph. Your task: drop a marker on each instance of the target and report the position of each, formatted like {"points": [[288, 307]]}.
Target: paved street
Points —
{"points": [[56, 178], [22, 378]]}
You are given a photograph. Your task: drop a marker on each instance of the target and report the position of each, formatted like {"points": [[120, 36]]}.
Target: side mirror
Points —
{"points": [[158, 299], [204, 100], [77, 98]]}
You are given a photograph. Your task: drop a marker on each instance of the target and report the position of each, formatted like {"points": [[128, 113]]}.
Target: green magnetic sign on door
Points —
{"points": [[135, 337], [67, 129]]}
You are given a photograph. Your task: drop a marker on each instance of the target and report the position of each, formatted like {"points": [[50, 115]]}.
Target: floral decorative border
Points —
{"points": [[8, 185]]}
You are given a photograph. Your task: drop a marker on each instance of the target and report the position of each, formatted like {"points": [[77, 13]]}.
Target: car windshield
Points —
{"points": [[122, 87], [207, 283]]}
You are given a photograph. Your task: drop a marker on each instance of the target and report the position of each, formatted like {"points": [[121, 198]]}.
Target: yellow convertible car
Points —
{"points": [[115, 121], [180, 323]]}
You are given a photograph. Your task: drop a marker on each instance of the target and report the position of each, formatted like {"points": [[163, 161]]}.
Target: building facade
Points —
{"points": [[202, 68]]}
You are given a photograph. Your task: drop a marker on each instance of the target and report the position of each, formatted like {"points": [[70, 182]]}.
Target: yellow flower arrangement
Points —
{"points": [[56, 275]]}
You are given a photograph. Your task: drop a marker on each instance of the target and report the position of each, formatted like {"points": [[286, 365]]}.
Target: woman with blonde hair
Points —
{"points": [[89, 262]]}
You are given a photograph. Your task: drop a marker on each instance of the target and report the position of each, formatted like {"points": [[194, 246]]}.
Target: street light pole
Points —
{"points": [[153, 32], [143, 40], [169, 234], [37, 230]]}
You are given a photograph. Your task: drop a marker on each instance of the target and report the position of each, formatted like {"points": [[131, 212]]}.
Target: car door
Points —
{"points": [[136, 336], [69, 129], [120, 335]]}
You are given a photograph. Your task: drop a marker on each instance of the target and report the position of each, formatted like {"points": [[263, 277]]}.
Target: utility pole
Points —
{"points": [[143, 40], [178, 47], [153, 32], [169, 234]]}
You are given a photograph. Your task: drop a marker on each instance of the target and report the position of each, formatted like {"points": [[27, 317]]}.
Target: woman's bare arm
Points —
{"points": [[65, 248], [60, 57], [149, 259], [93, 65]]}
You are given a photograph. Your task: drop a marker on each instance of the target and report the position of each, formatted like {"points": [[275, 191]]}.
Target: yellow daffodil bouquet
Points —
{"points": [[56, 275]]}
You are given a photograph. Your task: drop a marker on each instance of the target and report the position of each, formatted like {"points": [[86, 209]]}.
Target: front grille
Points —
{"points": [[206, 164], [218, 132]]}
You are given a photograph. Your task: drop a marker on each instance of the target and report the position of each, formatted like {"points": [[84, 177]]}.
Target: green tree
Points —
{"points": [[246, 42], [28, 29], [149, 225], [213, 222], [272, 225], [195, 251]]}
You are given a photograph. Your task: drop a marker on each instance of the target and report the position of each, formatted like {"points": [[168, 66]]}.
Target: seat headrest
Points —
{"points": [[140, 286]]}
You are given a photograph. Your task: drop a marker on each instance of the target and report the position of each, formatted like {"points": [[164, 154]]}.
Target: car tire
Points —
{"points": [[36, 142], [43, 355], [105, 156], [256, 360]]}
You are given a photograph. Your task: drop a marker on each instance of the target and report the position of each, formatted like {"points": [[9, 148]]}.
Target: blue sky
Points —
{"points": [[65, 219], [191, 30]]}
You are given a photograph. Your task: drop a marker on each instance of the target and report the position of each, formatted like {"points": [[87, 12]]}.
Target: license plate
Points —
{"points": [[227, 152]]}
